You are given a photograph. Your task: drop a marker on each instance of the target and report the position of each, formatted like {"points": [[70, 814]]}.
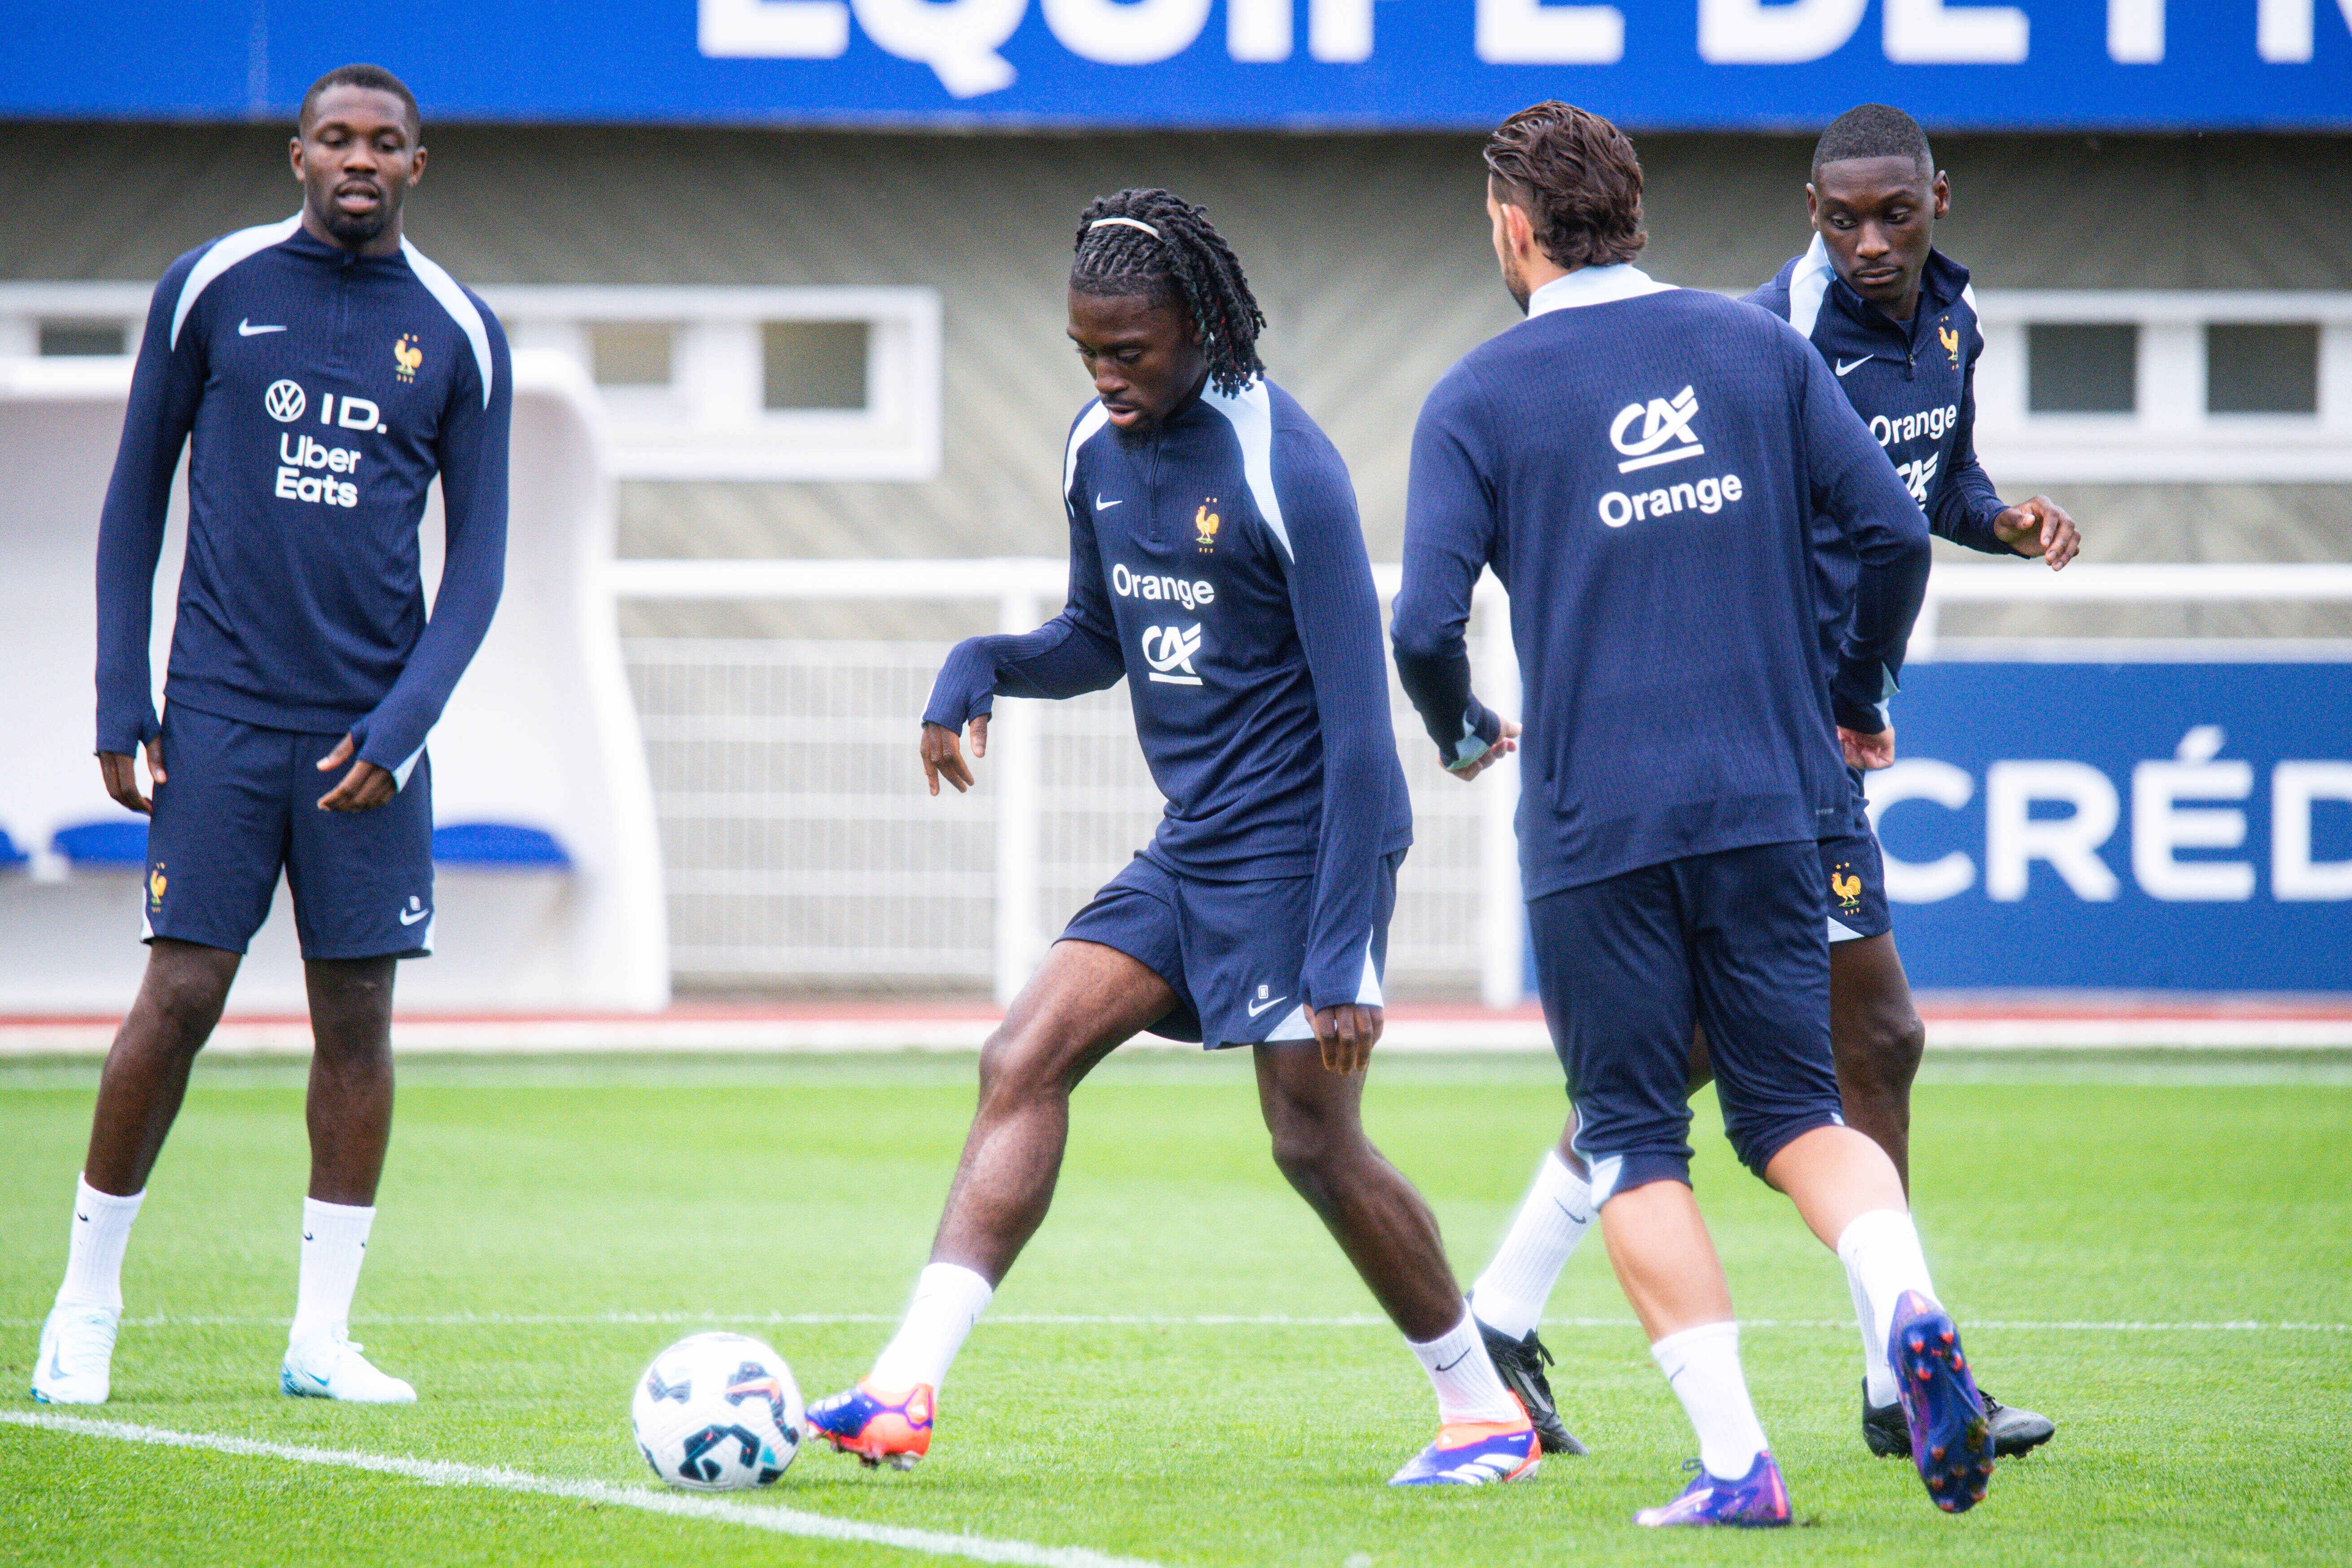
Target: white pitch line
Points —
{"points": [[448, 1473], [1116, 1320]]}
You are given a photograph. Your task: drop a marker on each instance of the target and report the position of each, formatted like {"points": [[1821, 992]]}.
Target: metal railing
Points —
{"points": [[800, 845]]}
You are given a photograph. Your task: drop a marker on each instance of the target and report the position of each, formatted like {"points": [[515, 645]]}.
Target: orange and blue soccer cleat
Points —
{"points": [[877, 1426], [1472, 1453], [1757, 1499], [1951, 1439]]}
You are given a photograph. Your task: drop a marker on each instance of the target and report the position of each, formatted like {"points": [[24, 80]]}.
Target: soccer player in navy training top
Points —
{"points": [[320, 372], [1216, 562], [1895, 320], [1642, 466]]}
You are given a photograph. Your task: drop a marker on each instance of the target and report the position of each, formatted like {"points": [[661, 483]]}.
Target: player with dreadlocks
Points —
{"points": [[1215, 561]]}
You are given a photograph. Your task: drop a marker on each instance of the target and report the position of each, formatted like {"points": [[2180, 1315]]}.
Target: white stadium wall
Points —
{"points": [[552, 901]]}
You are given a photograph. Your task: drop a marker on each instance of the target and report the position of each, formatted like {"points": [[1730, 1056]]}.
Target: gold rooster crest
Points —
{"points": [[1205, 523], [1848, 888], [407, 356], [1950, 338], [156, 883]]}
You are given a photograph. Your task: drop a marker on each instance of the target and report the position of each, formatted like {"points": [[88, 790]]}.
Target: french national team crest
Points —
{"points": [[406, 355], [156, 883], [1949, 335], [1846, 887], [1205, 524]]}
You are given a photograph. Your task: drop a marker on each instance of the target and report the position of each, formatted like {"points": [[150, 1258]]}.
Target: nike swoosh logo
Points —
{"points": [[306, 1235], [1102, 505], [1844, 366], [1573, 1218], [409, 918], [248, 330], [1257, 1007], [1457, 1361]]}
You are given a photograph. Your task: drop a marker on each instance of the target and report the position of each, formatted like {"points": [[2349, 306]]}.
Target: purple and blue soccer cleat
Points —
{"points": [[1951, 1439], [1757, 1501], [1473, 1454]]}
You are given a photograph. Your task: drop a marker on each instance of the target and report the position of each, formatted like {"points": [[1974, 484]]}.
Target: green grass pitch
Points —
{"points": [[585, 1199]]}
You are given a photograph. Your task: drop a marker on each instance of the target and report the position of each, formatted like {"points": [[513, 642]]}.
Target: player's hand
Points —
{"points": [[2041, 528], [1869, 752], [121, 775], [943, 753], [364, 788], [1504, 744], [1347, 1034]]}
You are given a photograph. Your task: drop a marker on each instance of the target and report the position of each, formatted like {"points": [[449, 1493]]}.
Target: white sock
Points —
{"points": [[1880, 1253], [1552, 1218], [1467, 1388], [101, 1231], [1702, 1364], [334, 1245], [948, 1298], [1877, 1375]]}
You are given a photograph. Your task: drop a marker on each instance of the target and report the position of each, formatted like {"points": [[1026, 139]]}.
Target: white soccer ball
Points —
{"points": [[717, 1413]]}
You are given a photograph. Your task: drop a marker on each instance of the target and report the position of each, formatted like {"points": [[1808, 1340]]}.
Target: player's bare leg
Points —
{"points": [[1083, 1002], [139, 1094], [1315, 1115], [146, 1074], [1878, 1038], [1380, 1221], [349, 1110]]}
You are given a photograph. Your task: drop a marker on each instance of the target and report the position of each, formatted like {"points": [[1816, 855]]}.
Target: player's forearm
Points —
{"points": [[1059, 659], [471, 585], [1965, 511], [130, 542], [1888, 595]]}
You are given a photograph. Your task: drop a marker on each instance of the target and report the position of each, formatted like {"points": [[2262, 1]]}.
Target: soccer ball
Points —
{"points": [[718, 1412]]}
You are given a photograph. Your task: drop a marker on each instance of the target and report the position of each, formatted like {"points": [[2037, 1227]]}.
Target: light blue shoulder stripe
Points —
{"points": [[1094, 419], [226, 253], [1808, 287], [1251, 414], [443, 288]]}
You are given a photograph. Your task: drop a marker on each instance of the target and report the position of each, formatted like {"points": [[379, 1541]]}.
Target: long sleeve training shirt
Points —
{"points": [[319, 392], [1640, 466], [1218, 564], [1914, 384]]}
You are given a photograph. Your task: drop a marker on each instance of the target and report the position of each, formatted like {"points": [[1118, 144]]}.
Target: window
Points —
{"points": [[813, 364], [2261, 367], [2091, 368], [67, 338], [630, 354]]}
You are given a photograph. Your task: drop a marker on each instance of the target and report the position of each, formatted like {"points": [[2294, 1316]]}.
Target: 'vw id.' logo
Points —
{"points": [[285, 401], [1170, 650], [1660, 422]]}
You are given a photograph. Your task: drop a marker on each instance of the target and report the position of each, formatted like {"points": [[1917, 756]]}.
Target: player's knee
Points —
{"points": [[1015, 1070], [185, 1001], [1309, 1148], [1884, 1049]]}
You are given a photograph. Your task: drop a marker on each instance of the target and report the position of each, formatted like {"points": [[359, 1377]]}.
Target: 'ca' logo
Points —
{"points": [[1169, 650], [1660, 422], [285, 402]]}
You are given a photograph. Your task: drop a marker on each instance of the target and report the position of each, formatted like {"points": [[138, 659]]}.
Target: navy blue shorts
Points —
{"points": [[1627, 966], [240, 803], [1854, 873], [1232, 952]]}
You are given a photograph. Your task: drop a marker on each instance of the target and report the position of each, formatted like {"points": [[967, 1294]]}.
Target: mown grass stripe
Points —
{"points": [[1145, 1321], [448, 1473]]}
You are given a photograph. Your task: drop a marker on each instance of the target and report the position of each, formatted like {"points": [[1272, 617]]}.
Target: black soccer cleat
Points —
{"points": [[2014, 1431], [1521, 1363]]}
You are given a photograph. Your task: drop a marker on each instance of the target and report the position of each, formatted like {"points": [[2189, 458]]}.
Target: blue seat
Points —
{"points": [[114, 843], [9, 853], [499, 843]]}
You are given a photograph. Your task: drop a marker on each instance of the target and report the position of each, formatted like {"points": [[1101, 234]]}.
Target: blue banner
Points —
{"points": [[1432, 64], [2146, 827]]}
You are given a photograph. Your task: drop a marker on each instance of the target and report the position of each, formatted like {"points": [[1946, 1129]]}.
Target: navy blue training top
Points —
{"points": [[1913, 384], [1641, 465], [1217, 562], [319, 392]]}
